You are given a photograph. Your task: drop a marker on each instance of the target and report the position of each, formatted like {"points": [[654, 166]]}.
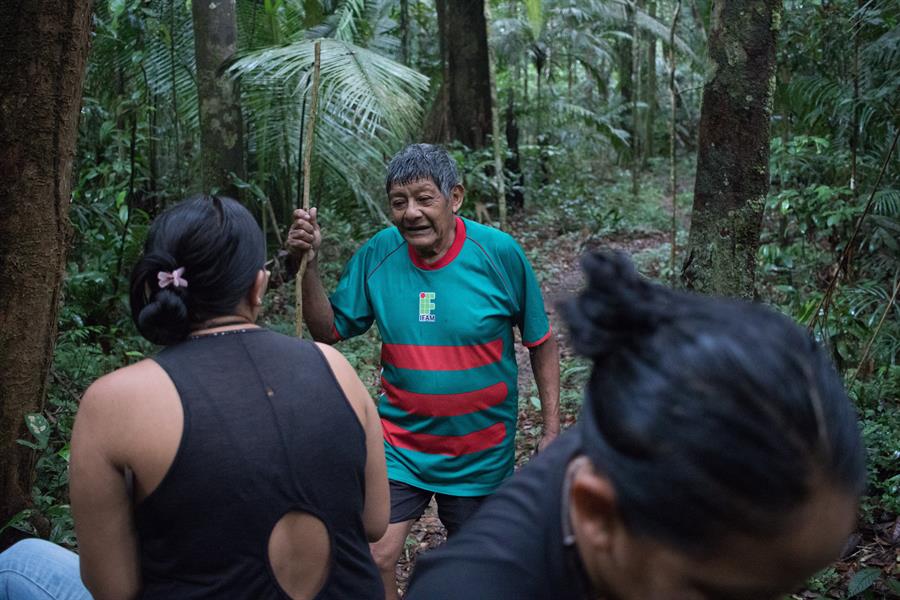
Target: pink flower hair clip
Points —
{"points": [[174, 278]]}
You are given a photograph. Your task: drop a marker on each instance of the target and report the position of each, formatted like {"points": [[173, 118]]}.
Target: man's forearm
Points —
{"points": [[545, 366], [317, 311]]}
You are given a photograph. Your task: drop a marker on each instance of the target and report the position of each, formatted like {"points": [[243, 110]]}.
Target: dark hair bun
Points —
{"points": [[618, 308], [165, 320]]}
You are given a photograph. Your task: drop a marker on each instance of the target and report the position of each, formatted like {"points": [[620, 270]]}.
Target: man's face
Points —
{"points": [[425, 217]]}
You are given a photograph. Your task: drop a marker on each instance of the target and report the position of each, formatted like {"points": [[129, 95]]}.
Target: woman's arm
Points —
{"points": [[378, 506], [100, 497]]}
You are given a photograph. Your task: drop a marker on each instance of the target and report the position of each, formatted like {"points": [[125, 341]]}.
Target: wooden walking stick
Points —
{"points": [[307, 158]]}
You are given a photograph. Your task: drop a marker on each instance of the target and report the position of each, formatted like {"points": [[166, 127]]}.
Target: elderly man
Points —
{"points": [[446, 293]]}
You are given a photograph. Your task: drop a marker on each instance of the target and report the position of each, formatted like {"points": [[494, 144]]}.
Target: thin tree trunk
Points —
{"points": [[635, 117], [733, 155], [179, 180], [221, 125], [44, 44], [515, 195], [625, 80], [495, 126], [404, 32], [650, 91], [673, 182], [856, 27], [153, 159], [525, 96]]}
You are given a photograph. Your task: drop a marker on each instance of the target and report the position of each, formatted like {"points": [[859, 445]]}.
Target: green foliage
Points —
{"points": [[823, 581], [877, 401], [862, 580]]}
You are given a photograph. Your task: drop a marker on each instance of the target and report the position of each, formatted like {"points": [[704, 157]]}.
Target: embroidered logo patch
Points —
{"points": [[426, 306]]}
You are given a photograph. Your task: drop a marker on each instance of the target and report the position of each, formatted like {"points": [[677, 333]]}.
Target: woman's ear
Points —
{"points": [[258, 289], [595, 517]]}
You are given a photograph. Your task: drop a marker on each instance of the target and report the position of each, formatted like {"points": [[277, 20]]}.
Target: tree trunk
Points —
{"points": [[221, 127], [636, 94], [44, 44], [469, 83], [515, 195], [495, 128], [854, 125], [650, 91], [624, 81], [733, 149], [436, 127], [404, 32]]}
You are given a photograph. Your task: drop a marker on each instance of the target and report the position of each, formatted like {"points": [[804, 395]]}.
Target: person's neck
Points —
{"points": [[223, 323], [430, 259]]}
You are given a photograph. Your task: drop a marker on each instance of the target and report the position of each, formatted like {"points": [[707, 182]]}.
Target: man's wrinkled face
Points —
{"points": [[425, 217]]}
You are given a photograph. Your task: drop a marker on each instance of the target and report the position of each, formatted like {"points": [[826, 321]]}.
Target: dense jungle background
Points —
{"points": [[733, 147]]}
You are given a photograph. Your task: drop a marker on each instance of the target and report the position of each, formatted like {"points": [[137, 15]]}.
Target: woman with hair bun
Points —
{"points": [[238, 462], [717, 457]]}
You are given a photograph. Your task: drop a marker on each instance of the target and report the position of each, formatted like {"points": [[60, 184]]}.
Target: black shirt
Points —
{"points": [[513, 546], [267, 430]]}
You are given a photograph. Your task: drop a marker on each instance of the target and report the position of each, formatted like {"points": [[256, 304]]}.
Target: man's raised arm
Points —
{"points": [[305, 236]]}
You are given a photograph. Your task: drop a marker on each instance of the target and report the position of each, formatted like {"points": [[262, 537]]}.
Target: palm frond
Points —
{"points": [[535, 13], [368, 105], [603, 123]]}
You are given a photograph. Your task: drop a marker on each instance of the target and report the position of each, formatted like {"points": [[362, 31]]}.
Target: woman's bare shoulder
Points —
{"points": [[142, 380]]}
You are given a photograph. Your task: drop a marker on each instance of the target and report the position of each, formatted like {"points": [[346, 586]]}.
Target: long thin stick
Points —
{"points": [[307, 159]]}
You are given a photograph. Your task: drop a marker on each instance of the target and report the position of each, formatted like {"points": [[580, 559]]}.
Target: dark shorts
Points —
{"points": [[408, 503]]}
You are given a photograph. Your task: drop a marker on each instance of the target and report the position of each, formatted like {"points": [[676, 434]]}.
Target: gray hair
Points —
{"points": [[423, 161]]}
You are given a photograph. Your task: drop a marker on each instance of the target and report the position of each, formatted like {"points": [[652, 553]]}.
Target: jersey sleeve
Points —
{"points": [[531, 316], [353, 313]]}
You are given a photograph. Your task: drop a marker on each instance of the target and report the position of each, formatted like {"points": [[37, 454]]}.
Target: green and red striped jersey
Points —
{"points": [[449, 401]]}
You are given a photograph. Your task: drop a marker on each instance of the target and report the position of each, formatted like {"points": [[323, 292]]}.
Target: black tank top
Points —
{"points": [[267, 430]]}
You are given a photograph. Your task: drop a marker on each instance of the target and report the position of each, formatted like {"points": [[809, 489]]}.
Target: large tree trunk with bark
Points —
{"points": [[467, 82], [44, 45], [221, 126], [733, 155]]}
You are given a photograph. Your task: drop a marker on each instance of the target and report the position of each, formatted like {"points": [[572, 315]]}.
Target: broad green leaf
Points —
{"points": [[863, 580], [18, 520], [39, 427]]}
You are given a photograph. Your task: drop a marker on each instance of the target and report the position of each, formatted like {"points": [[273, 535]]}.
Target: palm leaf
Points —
{"points": [[368, 105]]}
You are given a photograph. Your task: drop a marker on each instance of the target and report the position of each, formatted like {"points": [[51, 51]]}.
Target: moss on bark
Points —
{"points": [[733, 156]]}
